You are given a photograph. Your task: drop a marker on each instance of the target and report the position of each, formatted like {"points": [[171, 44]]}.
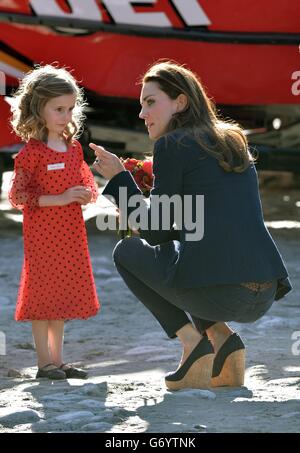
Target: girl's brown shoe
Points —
{"points": [[72, 372], [52, 373]]}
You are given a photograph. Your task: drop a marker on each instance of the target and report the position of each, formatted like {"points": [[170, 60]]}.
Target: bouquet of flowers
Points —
{"points": [[142, 173]]}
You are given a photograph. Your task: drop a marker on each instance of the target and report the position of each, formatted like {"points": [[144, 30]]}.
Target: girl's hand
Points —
{"points": [[76, 194], [106, 163], [88, 196]]}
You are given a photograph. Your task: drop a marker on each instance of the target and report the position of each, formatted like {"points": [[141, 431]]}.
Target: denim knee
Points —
{"points": [[121, 251], [117, 252]]}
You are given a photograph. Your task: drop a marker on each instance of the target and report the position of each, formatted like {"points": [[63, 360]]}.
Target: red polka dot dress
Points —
{"points": [[57, 280]]}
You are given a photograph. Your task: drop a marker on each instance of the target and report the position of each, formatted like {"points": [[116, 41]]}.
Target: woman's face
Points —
{"points": [[157, 109]]}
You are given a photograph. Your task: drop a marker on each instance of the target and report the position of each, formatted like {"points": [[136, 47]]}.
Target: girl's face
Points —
{"points": [[57, 113], [157, 109]]}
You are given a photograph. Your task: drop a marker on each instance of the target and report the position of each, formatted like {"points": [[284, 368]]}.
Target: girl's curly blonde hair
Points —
{"points": [[36, 89]]}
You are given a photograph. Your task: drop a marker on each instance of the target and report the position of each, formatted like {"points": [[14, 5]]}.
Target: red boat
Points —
{"points": [[245, 52]]}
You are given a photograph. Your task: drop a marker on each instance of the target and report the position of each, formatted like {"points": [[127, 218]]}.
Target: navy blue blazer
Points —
{"points": [[236, 246]]}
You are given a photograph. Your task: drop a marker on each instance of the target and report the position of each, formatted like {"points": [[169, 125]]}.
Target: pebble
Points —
{"points": [[291, 414], [4, 300], [242, 392], [11, 417], [25, 346], [200, 427], [92, 404], [63, 397], [92, 390], [14, 373], [70, 417], [206, 394], [98, 427]]}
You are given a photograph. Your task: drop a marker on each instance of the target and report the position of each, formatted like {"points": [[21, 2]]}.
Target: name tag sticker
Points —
{"points": [[56, 166]]}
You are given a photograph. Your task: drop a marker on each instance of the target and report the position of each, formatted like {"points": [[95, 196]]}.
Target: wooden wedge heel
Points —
{"points": [[229, 364], [196, 371]]}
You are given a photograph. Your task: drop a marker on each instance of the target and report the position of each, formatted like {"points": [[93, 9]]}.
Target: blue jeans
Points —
{"points": [[143, 267]]}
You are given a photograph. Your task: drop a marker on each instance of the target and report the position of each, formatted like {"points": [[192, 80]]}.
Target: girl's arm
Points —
{"points": [[89, 182], [50, 200], [77, 194], [23, 192], [87, 176]]}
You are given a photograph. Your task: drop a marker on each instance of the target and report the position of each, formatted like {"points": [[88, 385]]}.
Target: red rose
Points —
{"points": [[142, 173], [148, 168], [130, 164]]}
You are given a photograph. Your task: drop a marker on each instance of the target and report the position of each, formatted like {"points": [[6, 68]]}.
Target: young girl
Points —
{"points": [[51, 181]]}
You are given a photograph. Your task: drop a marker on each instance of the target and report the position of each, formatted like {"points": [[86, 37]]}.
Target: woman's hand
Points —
{"points": [[106, 163]]}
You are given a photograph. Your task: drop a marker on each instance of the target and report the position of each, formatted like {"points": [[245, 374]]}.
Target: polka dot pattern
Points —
{"points": [[56, 280]]}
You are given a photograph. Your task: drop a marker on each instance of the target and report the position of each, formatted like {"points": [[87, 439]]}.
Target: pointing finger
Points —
{"points": [[100, 152], [97, 148]]}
